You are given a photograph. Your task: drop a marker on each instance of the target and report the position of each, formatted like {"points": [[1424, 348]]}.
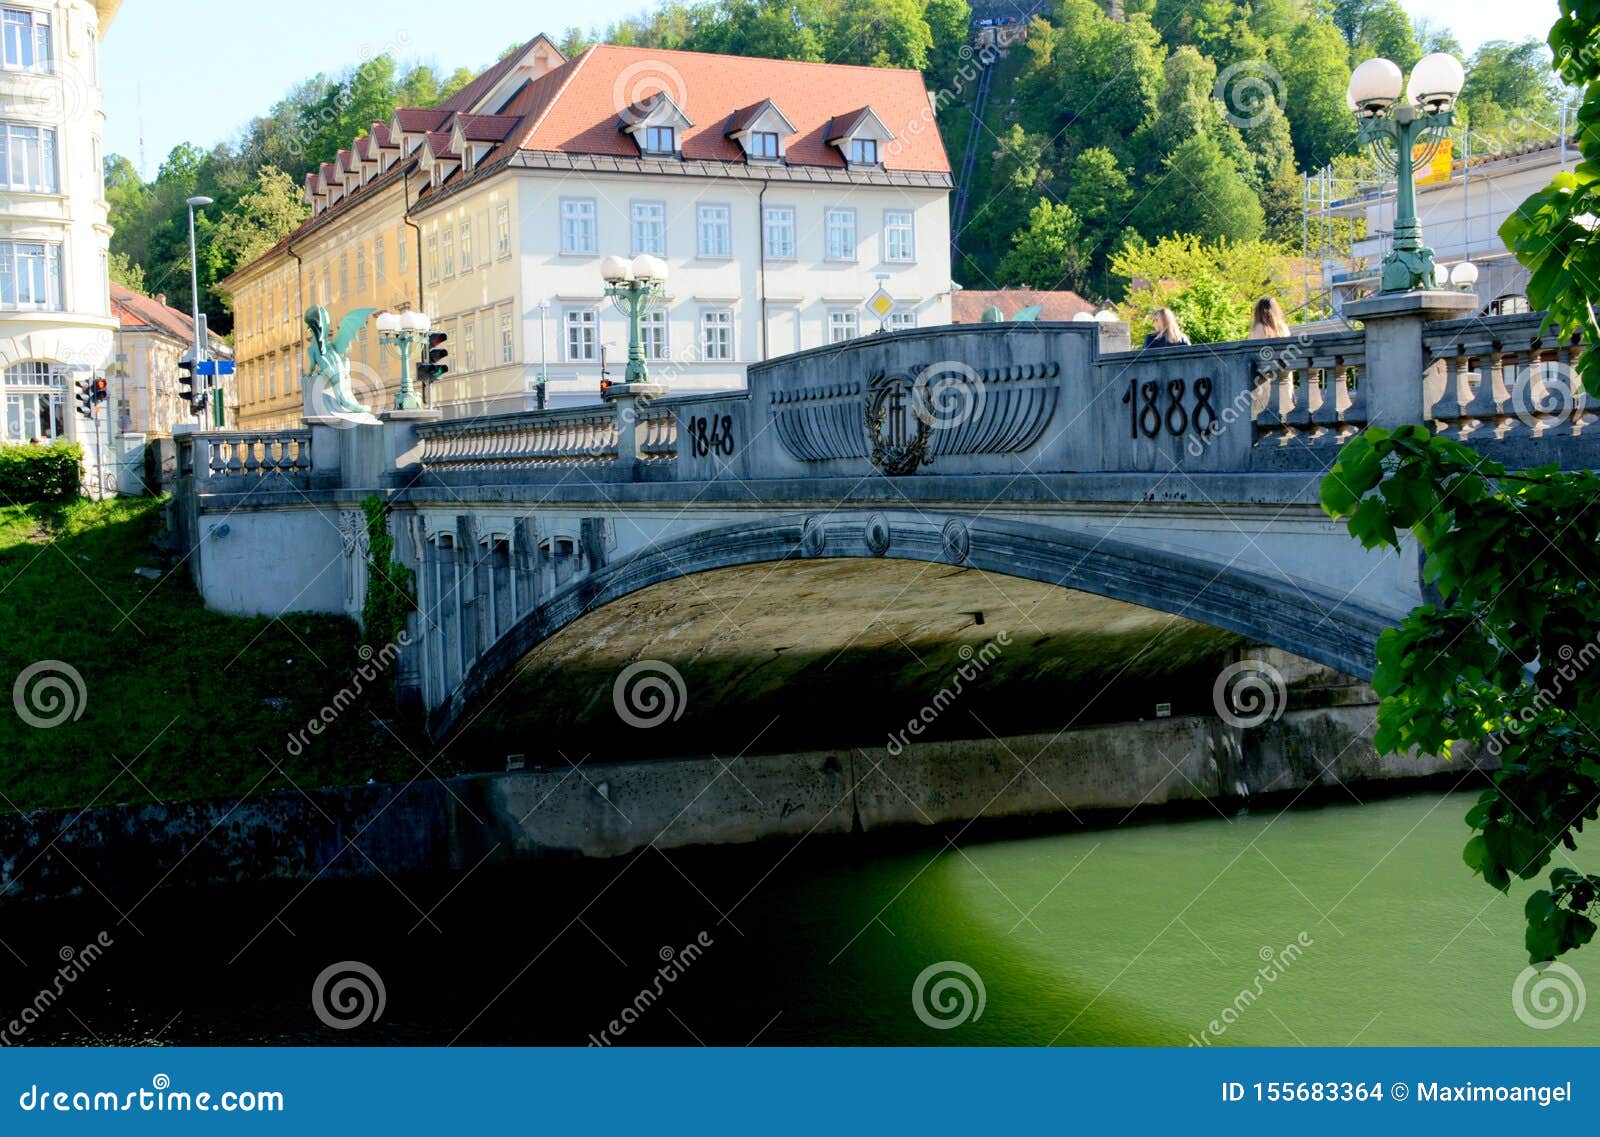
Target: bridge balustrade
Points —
{"points": [[1505, 381]]}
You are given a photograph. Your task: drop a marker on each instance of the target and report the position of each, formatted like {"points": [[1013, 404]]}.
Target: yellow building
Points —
{"points": [[357, 250]]}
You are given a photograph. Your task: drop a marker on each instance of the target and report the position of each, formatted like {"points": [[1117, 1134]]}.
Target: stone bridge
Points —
{"points": [[1183, 481]]}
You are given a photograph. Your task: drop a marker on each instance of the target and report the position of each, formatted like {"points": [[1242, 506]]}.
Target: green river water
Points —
{"points": [[1135, 935]]}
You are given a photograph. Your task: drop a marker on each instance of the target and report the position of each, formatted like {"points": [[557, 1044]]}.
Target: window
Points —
{"points": [[841, 228], [843, 324], [433, 257], [578, 233], [716, 231], [653, 334], [508, 338], [36, 401], [649, 227], [27, 158], [447, 241], [26, 36], [401, 244], [863, 152], [361, 269], [898, 244], [327, 286], [466, 245], [779, 224], [502, 230], [661, 139], [901, 321], [379, 253], [344, 274], [716, 334], [763, 144], [583, 335], [30, 275], [469, 345]]}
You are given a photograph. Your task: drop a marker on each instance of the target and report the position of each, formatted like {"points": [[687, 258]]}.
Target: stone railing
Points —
{"points": [[658, 436], [241, 461], [1309, 390], [583, 437], [1504, 379]]}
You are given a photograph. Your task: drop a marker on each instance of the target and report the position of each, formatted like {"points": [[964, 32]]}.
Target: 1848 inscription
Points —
{"points": [[711, 434]]}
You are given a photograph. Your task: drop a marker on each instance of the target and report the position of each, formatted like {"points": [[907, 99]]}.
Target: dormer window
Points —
{"points": [[656, 124], [860, 137], [661, 140], [760, 130]]}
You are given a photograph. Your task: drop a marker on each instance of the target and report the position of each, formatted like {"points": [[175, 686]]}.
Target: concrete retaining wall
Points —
{"points": [[610, 810]]}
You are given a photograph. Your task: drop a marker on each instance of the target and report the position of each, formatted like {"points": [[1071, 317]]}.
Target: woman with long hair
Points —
{"points": [[1267, 322], [1168, 332]]}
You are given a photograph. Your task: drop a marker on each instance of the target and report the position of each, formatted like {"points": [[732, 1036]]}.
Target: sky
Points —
{"points": [[252, 54]]}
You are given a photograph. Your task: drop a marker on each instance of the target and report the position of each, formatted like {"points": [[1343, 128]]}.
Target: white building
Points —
{"points": [[56, 324], [1461, 218], [783, 196]]}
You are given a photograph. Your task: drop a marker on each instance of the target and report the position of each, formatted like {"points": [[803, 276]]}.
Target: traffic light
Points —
{"points": [[430, 368], [188, 387], [86, 398], [99, 391]]}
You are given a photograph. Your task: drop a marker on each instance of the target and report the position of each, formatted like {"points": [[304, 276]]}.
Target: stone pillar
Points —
{"points": [[630, 399], [327, 459], [1396, 367], [403, 449]]}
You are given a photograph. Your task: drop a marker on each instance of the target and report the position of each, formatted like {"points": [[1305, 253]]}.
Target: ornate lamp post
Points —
{"points": [[404, 331], [1393, 127], [636, 287]]}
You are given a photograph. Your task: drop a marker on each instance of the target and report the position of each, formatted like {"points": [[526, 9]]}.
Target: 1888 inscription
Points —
{"points": [[1182, 410]]}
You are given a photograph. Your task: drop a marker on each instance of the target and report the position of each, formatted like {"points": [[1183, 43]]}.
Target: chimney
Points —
{"points": [[161, 299]]}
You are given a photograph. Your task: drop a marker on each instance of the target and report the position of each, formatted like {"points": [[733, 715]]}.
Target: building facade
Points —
{"points": [[152, 337], [1461, 215], [358, 250], [56, 324], [783, 196]]}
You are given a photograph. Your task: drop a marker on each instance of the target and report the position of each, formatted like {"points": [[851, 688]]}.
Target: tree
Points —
{"points": [[1047, 252], [1509, 81], [948, 22], [1098, 194], [1377, 28], [126, 273], [1201, 192], [1316, 72], [880, 33], [1504, 657], [1227, 277], [259, 219]]}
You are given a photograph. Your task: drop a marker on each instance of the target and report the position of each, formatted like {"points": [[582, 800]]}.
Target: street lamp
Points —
{"points": [[200, 352], [636, 287], [404, 331], [544, 370], [1392, 128]]}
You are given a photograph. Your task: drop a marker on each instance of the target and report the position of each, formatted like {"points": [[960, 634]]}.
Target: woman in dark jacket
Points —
{"points": [[1167, 332]]}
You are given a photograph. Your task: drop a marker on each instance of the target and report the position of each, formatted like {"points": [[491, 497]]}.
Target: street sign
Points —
{"points": [[880, 304], [215, 367]]}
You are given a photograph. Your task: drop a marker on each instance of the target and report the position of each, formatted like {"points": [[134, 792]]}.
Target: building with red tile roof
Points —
{"points": [[782, 194], [152, 336]]}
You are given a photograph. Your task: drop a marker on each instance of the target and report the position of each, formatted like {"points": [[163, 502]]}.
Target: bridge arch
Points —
{"points": [[1289, 614]]}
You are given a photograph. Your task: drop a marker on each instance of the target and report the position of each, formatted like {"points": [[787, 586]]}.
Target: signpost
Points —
{"points": [[881, 304]]}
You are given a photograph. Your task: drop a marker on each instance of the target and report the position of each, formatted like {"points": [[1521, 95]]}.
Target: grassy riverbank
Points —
{"points": [[159, 699]]}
